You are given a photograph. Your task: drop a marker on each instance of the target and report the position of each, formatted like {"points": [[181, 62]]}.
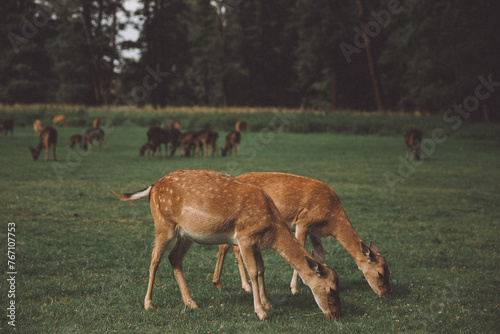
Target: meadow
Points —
{"points": [[82, 256]]}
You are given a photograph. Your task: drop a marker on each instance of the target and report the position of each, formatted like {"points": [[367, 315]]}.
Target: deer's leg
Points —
{"points": [[163, 238], [54, 151], [248, 254], [241, 269], [46, 148], [176, 256], [223, 248], [260, 278], [317, 245], [301, 235]]}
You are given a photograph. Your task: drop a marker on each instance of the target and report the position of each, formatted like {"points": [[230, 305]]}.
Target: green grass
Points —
{"points": [[82, 256]]}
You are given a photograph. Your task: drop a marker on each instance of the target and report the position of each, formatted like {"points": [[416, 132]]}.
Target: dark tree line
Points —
{"points": [[327, 54]]}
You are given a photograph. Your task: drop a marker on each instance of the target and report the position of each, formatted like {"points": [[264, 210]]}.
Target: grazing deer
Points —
{"points": [[158, 136], [151, 145], [94, 134], [96, 123], [6, 126], [75, 140], [48, 137], [59, 119], [187, 141], [314, 209], [37, 127], [233, 139], [208, 207], [208, 140], [413, 139]]}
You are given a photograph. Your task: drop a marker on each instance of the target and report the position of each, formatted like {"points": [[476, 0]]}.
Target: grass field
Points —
{"points": [[82, 256]]}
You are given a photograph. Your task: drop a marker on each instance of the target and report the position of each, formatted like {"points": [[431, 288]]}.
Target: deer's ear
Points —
{"points": [[315, 266], [367, 252], [374, 248], [318, 257]]}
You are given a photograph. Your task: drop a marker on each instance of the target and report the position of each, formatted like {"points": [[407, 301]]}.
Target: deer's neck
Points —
{"points": [[349, 239], [290, 249]]}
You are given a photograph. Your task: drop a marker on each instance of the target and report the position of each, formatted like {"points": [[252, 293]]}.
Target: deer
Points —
{"points": [[75, 140], [96, 123], [37, 127], [6, 126], [208, 140], [209, 207], [187, 141], [94, 134], [413, 138], [158, 136], [59, 119], [48, 138], [233, 139], [314, 209]]}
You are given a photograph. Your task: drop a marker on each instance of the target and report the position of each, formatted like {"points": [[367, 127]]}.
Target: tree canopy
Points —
{"points": [[327, 54]]}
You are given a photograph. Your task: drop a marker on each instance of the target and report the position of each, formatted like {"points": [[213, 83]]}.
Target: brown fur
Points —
{"points": [[94, 134], [413, 139], [212, 208], [75, 140], [314, 209], [59, 119], [48, 138], [6, 126]]}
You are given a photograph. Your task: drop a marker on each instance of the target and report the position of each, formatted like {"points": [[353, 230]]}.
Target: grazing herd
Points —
{"points": [[251, 212], [190, 143]]}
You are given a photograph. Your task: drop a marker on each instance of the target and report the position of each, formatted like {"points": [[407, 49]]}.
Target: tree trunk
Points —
{"points": [[220, 27], [371, 67], [85, 17], [334, 91]]}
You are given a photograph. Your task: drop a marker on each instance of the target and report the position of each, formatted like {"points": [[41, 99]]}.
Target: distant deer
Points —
{"points": [[212, 208], [94, 134], [48, 138], [413, 139], [96, 123], [233, 139], [313, 208], [59, 119], [6, 126], [188, 141], [156, 137], [37, 127], [75, 140], [208, 140]]}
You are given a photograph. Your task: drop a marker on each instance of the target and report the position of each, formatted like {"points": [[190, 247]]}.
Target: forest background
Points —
{"points": [[418, 56]]}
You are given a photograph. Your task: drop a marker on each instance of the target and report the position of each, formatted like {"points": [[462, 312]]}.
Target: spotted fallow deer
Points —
{"points": [[314, 209], [59, 119], [413, 138], [208, 207], [48, 138]]}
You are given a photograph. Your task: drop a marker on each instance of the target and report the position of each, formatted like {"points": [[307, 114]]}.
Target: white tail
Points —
{"points": [[314, 209], [211, 208]]}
